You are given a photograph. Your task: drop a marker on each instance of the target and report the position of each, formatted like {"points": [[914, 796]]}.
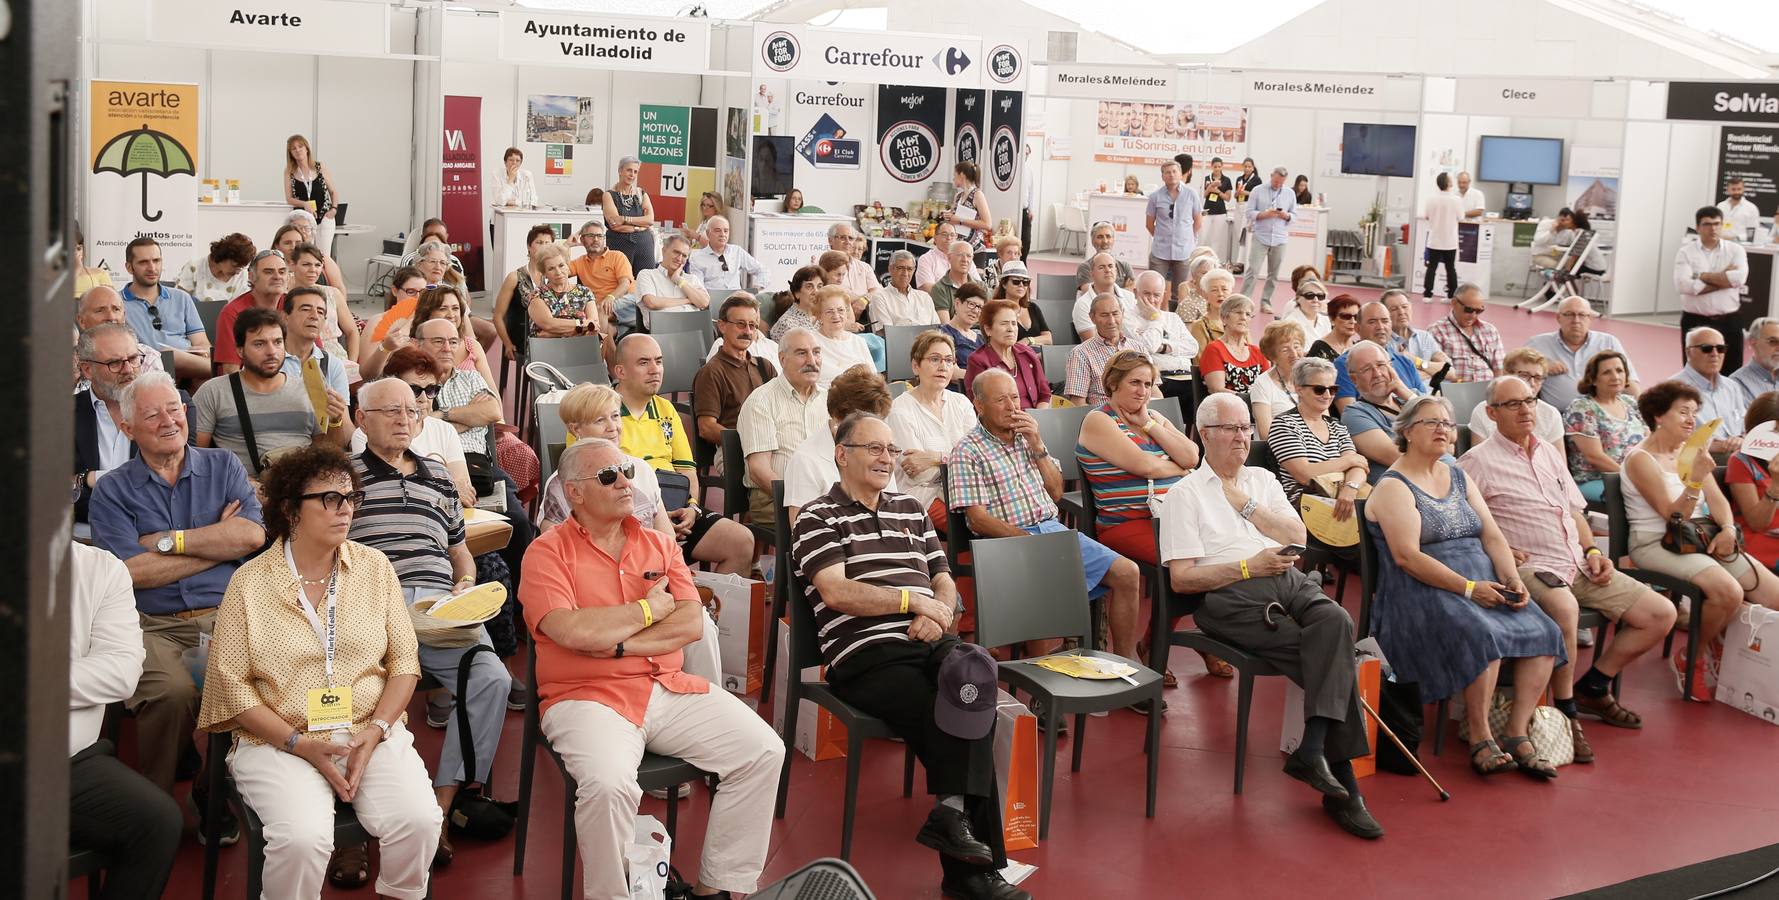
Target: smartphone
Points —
{"points": [[1512, 598], [1292, 550], [1551, 580]]}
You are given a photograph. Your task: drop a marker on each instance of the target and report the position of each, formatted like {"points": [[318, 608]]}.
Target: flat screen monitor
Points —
{"points": [[1373, 149], [773, 155], [1526, 160]]}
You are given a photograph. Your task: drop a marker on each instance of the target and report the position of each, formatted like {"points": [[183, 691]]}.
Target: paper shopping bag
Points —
{"points": [[647, 859], [739, 606], [1016, 770], [819, 735], [1370, 688], [700, 657], [1748, 679]]}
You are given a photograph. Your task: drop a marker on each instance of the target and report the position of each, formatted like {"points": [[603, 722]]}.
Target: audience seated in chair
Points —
{"points": [[1720, 396], [1084, 384], [267, 279], [1002, 349], [592, 411], [163, 318], [928, 421], [103, 305], [109, 359], [1568, 350], [1528, 365], [778, 417], [811, 472], [1602, 423], [1748, 480], [734, 371], [277, 415]]}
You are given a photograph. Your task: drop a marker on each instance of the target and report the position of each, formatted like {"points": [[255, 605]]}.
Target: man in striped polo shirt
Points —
{"points": [[875, 573], [412, 513]]}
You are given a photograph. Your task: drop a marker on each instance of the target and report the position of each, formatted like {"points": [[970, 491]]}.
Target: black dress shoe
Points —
{"points": [[1313, 771], [983, 885], [948, 831], [1352, 817]]}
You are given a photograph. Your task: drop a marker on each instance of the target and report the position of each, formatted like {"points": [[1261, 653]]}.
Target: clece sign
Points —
{"points": [[328, 26], [539, 37], [879, 57]]}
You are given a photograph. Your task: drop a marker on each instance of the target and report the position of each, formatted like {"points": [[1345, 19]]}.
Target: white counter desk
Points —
{"points": [[783, 244], [259, 220], [506, 251]]}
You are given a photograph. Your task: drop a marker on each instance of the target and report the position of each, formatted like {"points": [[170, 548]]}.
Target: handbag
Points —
{"points": [[473, 811], [1549, 730], [1694, 535]]}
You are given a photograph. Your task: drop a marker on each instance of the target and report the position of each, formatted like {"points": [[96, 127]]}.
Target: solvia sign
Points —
{"points": [[1724, 101]]}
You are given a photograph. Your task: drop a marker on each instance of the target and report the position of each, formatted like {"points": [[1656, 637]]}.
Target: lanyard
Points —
{"points": [[325, 636]]}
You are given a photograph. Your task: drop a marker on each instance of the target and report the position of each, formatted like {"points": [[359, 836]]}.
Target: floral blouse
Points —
{"points": [[1617, 436], [568, 305]]}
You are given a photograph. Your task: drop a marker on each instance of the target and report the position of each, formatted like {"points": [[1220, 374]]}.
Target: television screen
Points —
{"points": [[1527, 160], [1370, 149], [773, 156]]}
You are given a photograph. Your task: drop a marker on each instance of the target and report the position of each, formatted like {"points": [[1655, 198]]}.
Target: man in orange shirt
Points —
{"points": [[611, 684], [603, 271]]}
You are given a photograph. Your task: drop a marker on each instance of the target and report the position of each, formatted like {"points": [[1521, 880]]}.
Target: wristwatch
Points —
{"points": [[1249, 508], [1352, 484], [165, 544], [382, 725]]}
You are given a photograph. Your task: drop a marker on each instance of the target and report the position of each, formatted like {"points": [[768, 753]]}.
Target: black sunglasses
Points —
{"points": [[1473, 310], [608, 476], [331, 500], [1346, 317], [1321, 390], [154, 313], [1711, 348], [430, 391], [1313, 295]]}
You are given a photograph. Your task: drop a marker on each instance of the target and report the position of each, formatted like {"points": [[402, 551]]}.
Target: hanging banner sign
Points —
{"points": [[1319, 90], [460, 187], [142, 171], [1153, 133], [909, 122], [1751, 154], [1160, 84], [878, 57], [314, 26], [1556, 98], [1003, 137], [540, 38], [1724, 101], [966, 125]]}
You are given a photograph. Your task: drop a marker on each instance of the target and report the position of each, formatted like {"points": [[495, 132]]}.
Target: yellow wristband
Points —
{"points": [[648, 615], [1590, 552], [1245, 574], [1469, 589], [904, 600], [179, 542], [1694, 485]]}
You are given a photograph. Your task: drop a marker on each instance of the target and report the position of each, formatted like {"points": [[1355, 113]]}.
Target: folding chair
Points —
{"points": [[1619, 547], [1560, 279], [898, 343]]}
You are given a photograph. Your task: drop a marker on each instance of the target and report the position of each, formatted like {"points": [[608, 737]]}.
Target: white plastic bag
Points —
{"points": [[1749, 676], [647, 859]]}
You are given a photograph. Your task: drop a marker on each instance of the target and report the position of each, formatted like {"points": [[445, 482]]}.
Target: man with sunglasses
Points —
{"points": [[1402, 336], [1473, 345], [411, 512], [1721, 397], [722, 265], [181, 518], [611, 606], [268, 276], [164, 318]]}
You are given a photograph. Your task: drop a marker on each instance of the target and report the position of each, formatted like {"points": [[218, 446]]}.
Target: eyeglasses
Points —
{"points": [[1520, 405], [608, 476], [940, 360], [331, 500], [410, 413], [1441, 424], [444, 341], [1575, 315], [117, 366], [1473, 310], [876, 448], [1529, 377], [1313, 295], [265, 253], [154, 313], [1232, 430], [1346, 317], [743, 324], [970, 304], [724, 259], [430, 391], [1321, 390], [1706, 348], [409, 292]]}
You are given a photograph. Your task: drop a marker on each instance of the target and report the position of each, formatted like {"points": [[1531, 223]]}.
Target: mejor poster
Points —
{"points": [[142, 169]]}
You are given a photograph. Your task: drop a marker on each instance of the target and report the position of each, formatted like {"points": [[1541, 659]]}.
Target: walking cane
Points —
{"points": [[1398, 742]]}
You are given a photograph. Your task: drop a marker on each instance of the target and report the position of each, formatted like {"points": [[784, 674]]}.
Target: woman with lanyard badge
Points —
{"points": [[312, 664], [969, 209], [310, 186], [630, 218]]}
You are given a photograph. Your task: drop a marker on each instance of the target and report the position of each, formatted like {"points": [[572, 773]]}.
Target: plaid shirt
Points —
{"points": [[1467, 365], [463, 387], [985, 471], [1533, 500], [1087, 365]]}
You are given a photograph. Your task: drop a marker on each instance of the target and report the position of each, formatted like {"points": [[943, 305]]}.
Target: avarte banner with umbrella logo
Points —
{"points": [[143, 178]]}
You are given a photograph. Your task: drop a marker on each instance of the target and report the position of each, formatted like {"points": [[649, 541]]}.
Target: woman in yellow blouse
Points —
{"points": [[312, 662]]}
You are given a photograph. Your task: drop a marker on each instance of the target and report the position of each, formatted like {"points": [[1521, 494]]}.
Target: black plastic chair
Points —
{"points": [[898, 344], [1618, 527], [682, 353], [655, 773], [780, 539], [805, 652], [88, 864], [1033, 588], [1056, 363], [1061, 430]]}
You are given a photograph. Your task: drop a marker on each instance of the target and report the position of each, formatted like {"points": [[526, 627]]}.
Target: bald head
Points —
{"points": [[384, 392], [100, 305], [1374, 322]]}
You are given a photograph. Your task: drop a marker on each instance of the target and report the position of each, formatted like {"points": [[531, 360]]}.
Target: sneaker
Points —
{"points": [[438, 708], [685, 790], [229, 828], [516, 696], [1704, 682], [1584, 637]]}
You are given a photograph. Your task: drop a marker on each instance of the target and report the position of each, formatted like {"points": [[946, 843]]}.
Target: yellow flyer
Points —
{"points": [[478, 604], [1695, 443]]}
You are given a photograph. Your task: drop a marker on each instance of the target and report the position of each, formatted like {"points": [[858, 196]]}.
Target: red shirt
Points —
{"points": [[223, 349], [564, 569]]}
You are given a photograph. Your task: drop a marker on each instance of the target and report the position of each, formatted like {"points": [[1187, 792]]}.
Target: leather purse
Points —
{"points": [[1694, 535]]}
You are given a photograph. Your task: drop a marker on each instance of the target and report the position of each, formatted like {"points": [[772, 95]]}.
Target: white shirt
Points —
{"points": [[1267, 391], [1444, 209], [105, 641], [1696, 296], [1082, 315], [811, 471], [892, 307], [1738, 218], [656, 281], [773, 419], [1197, 523], [195, 279], [916, 428], [521, 191], [1548, 427], [840, 354], [114, 445], [436, 440], [1313, 329], [1473, 200], [708, 267], [1175, 348], [762, 347]]}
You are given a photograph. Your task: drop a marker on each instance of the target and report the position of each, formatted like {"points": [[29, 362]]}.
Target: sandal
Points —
{"points": [[1168, 680], [350, 866], [1215, 667], [1497, 761], [1605, 708], [1530, 762]]}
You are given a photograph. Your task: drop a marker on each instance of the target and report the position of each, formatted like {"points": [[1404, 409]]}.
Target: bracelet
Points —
{"points": [[179, 542], [904, 601], [1245, 575], [290, 741], [1590, 551], [382, 725], [648, 615], [1469, 590]]}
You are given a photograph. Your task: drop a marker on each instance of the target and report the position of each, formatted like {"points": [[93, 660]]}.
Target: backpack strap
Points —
{"points": [[245, 419]]}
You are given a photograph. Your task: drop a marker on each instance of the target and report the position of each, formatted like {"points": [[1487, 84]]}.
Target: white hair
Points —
{"points": [[1219, 274], [837, 229], [1698, 331], [722, 219], [957, 245], [432, 247], [978, 390], [126, 401], [571, 465], [1152, 274], [901, 256], [379, 386], [300, 215], [628, 161], [1212, 410]]}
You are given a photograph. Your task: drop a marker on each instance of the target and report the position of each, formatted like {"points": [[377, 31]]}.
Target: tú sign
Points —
{"points": [[538, 37], [879, 57], [1724, 101]]}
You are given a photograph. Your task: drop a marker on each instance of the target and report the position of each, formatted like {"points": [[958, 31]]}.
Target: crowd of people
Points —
{"points": [[269, 498]]}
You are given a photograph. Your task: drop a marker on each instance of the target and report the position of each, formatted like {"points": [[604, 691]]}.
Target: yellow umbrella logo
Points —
{"points": [[144, 152]]}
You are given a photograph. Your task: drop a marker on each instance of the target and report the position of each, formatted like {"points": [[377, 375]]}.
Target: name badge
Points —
{"points": [[330, 708]]}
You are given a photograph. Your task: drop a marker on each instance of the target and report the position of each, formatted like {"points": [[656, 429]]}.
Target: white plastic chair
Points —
{"points": [[1071, 222]]}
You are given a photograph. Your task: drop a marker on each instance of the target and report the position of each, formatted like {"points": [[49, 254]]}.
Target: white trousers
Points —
{"points": [[324, 238], [395, 804], [715, 732]]}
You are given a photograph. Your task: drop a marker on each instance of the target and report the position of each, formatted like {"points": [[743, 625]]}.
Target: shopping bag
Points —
{"points": [[819, 735], [647, 859], [739, 606], [1748, 678], [701, 657], [1016, 770], [1370, 688]]}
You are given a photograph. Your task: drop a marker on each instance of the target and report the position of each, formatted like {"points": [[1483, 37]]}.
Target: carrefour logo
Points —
{"points": [[1003, 64], [953, 61], [781, 51]]}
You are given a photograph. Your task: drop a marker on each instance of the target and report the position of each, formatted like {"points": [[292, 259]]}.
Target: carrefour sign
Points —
{"points": [[880, 57]]}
